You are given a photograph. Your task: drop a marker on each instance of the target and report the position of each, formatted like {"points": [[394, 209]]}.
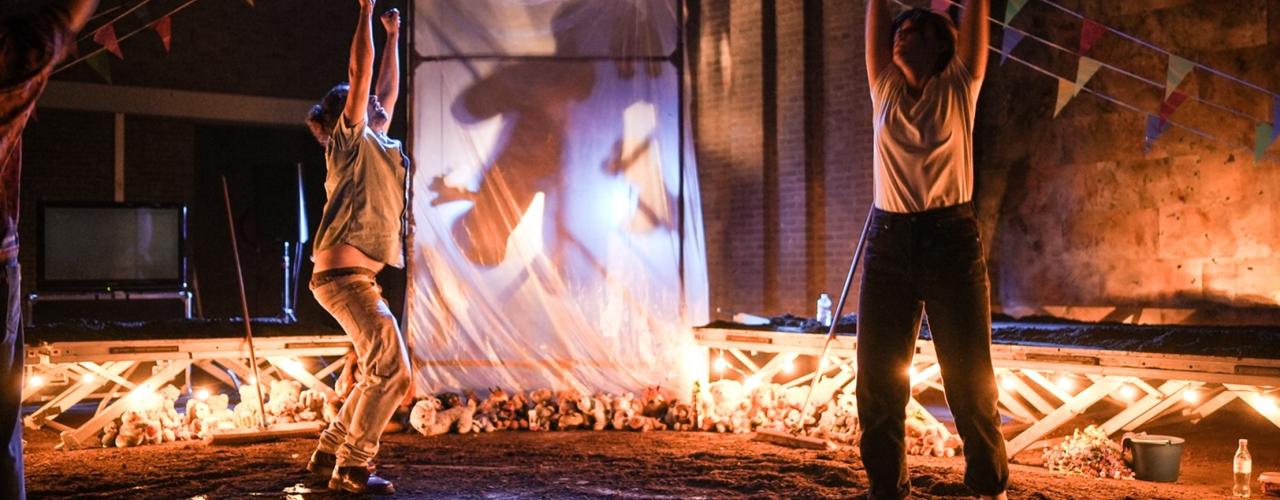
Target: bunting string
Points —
{"points": [[113, 20], [1157, 48], [126, 36], [1175, 74]]}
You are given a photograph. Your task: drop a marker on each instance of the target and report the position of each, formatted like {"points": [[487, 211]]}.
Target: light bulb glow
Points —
{"points": [[1269, 404], [1065, 382], [1008, 383], [912, 370], [1128, 392], [721, 364], [202, 394], [1191, 396], [35, 381], [88, 378], [788, 367]]}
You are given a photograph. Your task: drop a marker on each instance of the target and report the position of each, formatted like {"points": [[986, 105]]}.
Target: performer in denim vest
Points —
{"points": [[362, 230]]}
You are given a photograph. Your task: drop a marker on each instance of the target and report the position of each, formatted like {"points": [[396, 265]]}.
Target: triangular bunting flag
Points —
{"points": [[939, 5], [1090, 32], [250, 2], [1262, 140], [1088, 66], [1008, 42], [101, 65], [1170, 105], [1011, 9], [164, 28], [1178, 70], [1275, 119], [1155, 127], [1066, 90], [106, 36]]}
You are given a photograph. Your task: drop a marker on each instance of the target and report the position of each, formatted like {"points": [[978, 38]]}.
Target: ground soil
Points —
{"points": [[608, 464]]}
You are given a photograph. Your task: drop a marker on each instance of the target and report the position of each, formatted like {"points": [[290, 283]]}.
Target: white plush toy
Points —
{"points": [[283, 405]]}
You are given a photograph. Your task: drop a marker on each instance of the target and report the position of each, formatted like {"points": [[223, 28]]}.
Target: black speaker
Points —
{"points": [[279, 208]]}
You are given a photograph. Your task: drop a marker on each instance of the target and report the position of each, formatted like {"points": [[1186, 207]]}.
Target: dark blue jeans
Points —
{"points": [[11, 357], [927, 261]]}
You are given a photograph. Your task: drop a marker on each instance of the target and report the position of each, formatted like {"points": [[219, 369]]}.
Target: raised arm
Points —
{"points": [[360, 71], [389, 73], [80, 11], [879, 46], [975, 32]]}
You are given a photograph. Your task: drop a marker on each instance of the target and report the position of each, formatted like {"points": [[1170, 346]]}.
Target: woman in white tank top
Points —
{"points": [[924, 251]]}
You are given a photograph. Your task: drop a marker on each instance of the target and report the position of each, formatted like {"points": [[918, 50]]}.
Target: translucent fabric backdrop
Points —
{"points": [[546, 198]]}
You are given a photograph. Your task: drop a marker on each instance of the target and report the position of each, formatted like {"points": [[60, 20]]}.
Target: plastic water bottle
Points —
{"points": [[824, 310], [1243, 469]]}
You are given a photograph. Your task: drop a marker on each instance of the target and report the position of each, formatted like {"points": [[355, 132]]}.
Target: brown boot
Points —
{"points": [[322, 464], [359, 479]]}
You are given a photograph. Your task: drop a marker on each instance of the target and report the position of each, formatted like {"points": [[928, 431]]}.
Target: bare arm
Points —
{"points": [[360, 70], [879, 46], [974, 36], [80, 11], [389, 74]]}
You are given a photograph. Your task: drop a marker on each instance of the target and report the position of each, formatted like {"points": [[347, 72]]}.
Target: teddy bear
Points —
{"points": [[170, 420], [723, 401], [622, 411], [249, 409], [567, 416], [739, 422], [109, 433], [654, 402], [423, 417], [132, 431], [283, 403], [679, 417], [220, 415], [311, 406]]}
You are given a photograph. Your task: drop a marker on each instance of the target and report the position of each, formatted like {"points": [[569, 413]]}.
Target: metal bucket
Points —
{"points": [[1153, 457]]}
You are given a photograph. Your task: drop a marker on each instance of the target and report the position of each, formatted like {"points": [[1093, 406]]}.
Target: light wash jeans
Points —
{"points": [[354, 298]]}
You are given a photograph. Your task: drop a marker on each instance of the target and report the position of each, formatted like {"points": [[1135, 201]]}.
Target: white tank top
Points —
{"points": [[923, 156]]}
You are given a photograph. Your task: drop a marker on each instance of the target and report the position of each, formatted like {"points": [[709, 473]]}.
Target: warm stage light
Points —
{"points": [[1128, 393], [721, 364], [35, 381], [202, 394], [88, 378], [1191, 396], [1269, 404], [1065, 382], [788, 367], [911, 370], [1008, 383]]}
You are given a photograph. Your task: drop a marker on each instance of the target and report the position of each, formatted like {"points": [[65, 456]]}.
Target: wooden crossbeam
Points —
{"points": [[1253, 395], [69, 397], [742, 358], [85, 435], [294, 369], [1166, 394], [1077, 405], [1029, 395]]}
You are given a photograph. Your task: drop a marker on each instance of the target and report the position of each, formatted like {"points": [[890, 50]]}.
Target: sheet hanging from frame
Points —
{"points": [[548, 245]]}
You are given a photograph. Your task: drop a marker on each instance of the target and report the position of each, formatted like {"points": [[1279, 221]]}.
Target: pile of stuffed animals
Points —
{"points": [[153, 419], [721, 406]]}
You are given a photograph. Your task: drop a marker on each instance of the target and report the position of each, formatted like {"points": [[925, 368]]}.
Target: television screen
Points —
{"points": [[111, 246]]}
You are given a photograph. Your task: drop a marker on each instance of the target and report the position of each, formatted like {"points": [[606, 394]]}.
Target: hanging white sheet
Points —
{"points": [[547, 245]]}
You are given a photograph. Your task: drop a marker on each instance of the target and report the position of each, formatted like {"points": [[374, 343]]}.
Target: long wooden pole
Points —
{"points": [[244, 305]]}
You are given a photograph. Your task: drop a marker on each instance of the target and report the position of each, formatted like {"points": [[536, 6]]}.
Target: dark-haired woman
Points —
{"points": [[924, 252], [361, 230]]}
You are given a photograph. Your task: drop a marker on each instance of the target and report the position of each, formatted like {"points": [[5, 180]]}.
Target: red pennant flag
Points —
{"points": [[1170, 105], [164, 27], [1090, 32], [106, 36]]}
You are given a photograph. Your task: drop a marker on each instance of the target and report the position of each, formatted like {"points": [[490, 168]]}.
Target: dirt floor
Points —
{"points": [[607, 464]]}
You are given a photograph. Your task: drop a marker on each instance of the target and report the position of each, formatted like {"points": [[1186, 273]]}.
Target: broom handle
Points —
{"points": [[244, 304], [835, 318]]}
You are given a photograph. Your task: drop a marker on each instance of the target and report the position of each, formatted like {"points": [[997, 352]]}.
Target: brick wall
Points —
{"points": [[783, 150], [1082, 223]]}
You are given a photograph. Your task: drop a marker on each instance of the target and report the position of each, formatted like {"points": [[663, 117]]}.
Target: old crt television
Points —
{"points": [[111, 246]]}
